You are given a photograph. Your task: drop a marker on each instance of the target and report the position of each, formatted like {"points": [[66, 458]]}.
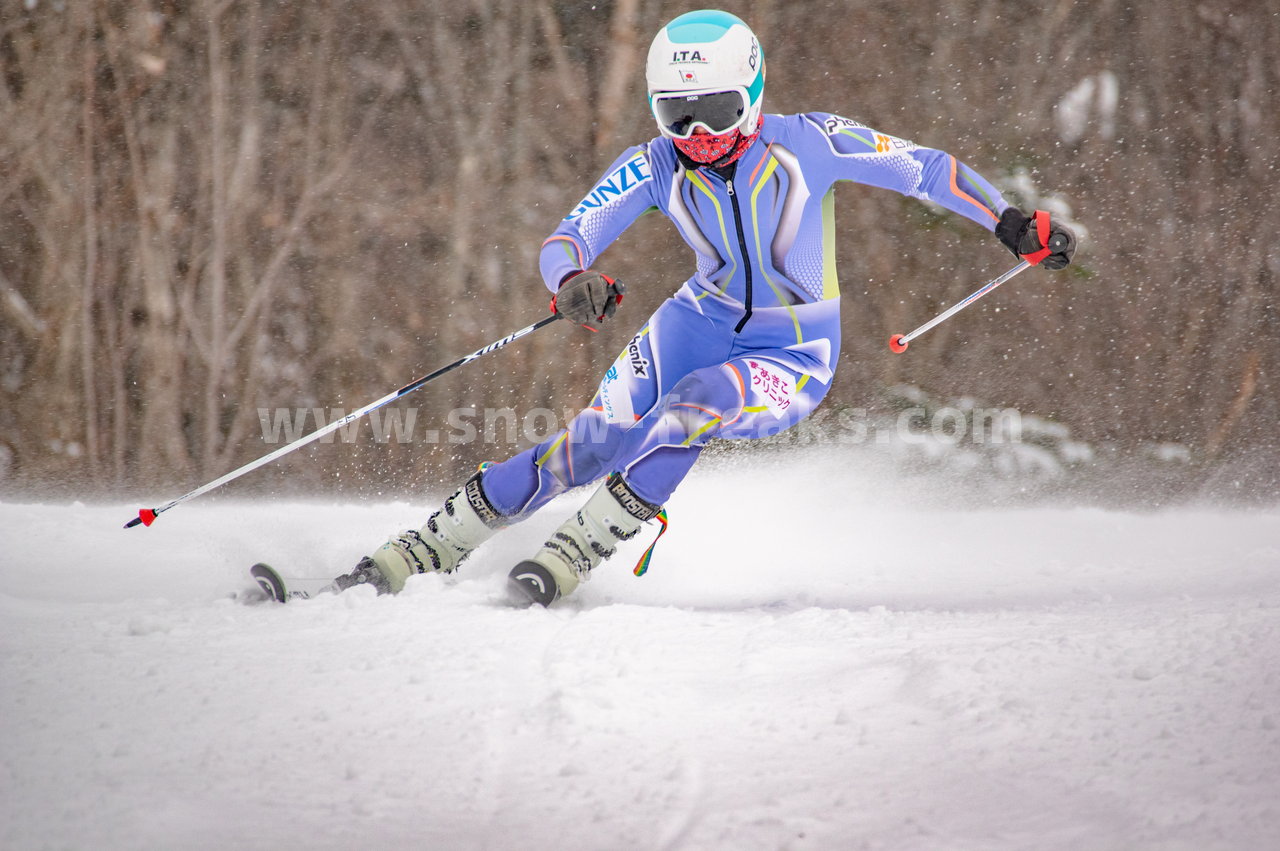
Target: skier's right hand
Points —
{"points": [[587, 298]]}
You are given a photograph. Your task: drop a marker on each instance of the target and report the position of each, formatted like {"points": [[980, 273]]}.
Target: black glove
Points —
{"points": [[1036, 238], [587, 298]]}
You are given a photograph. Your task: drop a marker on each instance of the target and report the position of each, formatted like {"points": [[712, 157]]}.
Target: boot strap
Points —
{"points": [[480, 504], [630, 500]]}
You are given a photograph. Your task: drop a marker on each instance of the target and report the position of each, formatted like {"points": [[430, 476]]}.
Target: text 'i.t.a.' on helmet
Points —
{"points": [[705, 73]]}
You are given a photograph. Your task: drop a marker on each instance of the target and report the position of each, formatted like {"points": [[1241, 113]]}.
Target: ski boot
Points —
{"points": [[466, 521], [614, 513]]}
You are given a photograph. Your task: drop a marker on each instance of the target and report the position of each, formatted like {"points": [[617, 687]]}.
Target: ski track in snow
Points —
{"points": [[909, 678]]}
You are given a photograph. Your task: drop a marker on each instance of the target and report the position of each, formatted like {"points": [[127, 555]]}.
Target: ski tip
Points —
{"points": [[897, 344], [529, 583], [269, 581]]}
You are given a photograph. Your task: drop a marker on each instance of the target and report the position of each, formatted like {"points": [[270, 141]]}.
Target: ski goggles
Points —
{"points": [[716, 110]]}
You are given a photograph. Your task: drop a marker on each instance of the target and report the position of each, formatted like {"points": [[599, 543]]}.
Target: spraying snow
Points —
{"points": [[828, 668]]}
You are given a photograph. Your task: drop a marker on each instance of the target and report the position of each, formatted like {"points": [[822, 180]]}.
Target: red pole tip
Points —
{"points": [[897, 345]]}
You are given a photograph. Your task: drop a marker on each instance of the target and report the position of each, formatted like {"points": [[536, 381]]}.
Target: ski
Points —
{"points": [[282, 588]]}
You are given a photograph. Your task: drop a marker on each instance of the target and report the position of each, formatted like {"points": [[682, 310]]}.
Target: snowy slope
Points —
{"points": [[913, 678]]}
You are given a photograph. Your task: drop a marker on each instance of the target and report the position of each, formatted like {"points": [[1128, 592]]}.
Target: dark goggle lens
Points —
{"points": [[720, 111]]}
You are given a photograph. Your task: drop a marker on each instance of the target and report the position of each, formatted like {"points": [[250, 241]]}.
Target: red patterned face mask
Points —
{"points": [[707, 148]]}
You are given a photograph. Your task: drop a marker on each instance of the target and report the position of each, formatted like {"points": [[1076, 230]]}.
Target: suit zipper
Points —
{"points": [[746, 261]]}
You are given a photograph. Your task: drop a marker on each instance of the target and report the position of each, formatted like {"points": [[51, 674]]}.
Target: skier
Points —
{"points": [[745, 348]]}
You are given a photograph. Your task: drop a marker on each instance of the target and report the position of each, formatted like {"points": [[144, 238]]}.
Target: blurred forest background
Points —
{"points": [[207, 208]]}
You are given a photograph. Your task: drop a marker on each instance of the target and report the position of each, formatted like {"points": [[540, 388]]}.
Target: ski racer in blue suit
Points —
{"points": [[748, 345]]}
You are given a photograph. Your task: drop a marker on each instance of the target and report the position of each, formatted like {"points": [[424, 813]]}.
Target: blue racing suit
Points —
{"points": [[748, 345]]}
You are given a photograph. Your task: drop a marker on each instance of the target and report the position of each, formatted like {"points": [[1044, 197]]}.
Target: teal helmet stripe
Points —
{"points": [[757, 85], [700, 27]]}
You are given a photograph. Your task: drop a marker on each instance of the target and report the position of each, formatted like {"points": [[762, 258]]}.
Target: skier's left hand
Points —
{"points": [[587, 298], [1036, 238]]}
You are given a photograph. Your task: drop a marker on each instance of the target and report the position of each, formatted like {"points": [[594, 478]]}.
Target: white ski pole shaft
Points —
{"points": [[898, 342], [147, 516], [1057, 242]]}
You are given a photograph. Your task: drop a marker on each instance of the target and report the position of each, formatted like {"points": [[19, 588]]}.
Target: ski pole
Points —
{"points": [[147, 516], [898, 342]]}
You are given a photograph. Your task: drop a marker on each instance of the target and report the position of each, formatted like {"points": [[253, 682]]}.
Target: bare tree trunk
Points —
{"points": [[620, 75], [163, 454], [88, 295], [216, 363]]}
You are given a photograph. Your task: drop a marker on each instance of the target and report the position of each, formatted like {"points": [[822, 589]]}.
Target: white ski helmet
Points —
{"points": [[705, 69]]}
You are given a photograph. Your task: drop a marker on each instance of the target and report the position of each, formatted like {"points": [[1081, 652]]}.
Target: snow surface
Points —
{"points": [[830, 667]]}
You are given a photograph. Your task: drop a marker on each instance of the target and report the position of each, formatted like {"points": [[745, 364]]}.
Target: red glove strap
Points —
{"points": [[617, 299], [1042, 231]]}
